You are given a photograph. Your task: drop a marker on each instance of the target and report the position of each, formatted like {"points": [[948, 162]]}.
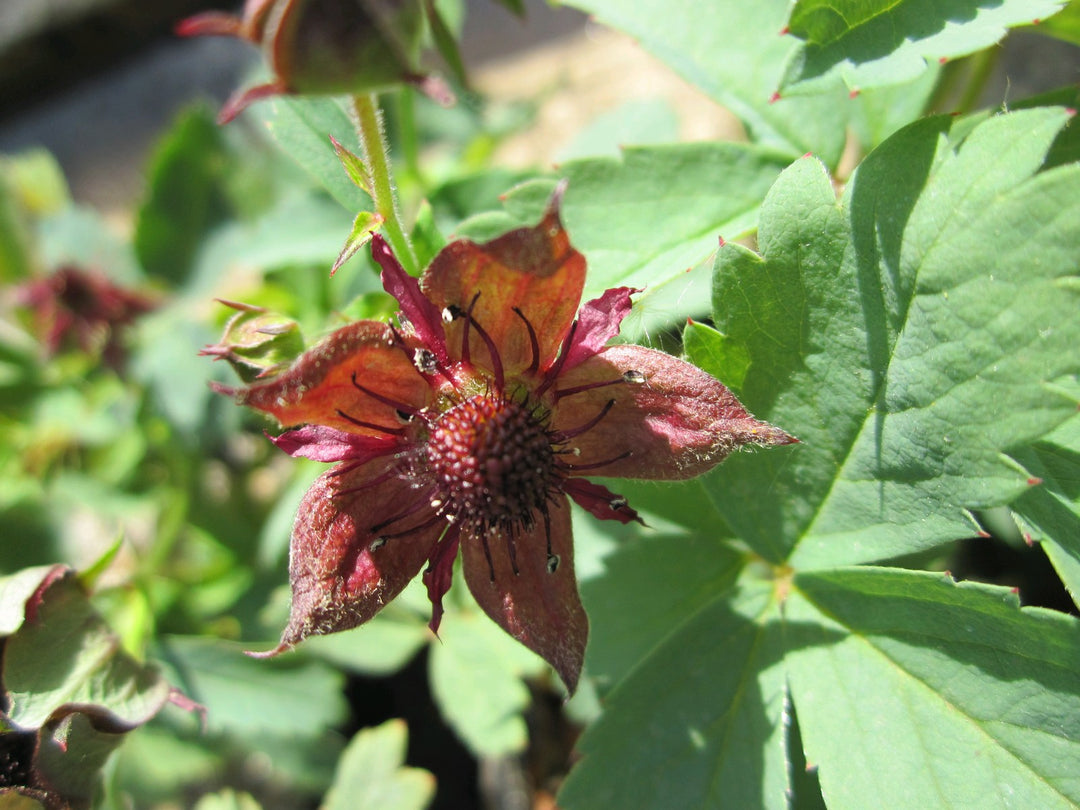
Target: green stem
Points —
{"points": [[368, 122]]}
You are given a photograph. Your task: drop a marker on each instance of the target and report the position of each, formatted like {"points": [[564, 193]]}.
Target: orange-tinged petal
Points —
{"points": [[343, 565], [319, 387], [669, 420], [539, 605], [534, 270]]}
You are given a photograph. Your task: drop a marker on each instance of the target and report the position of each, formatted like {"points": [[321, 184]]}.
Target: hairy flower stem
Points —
{"points": [[368, 121]]}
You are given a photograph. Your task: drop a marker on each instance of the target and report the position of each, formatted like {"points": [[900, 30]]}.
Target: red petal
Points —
{"points": [[598, 322], [319, 387], [532, 269], [440, 573], [678, 423], [425, 319], [539, 608], [600, 501], [328, 444], [341, 568]]}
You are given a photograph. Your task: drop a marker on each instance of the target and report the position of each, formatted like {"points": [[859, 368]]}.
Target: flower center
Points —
{"points": [[493, 461]]}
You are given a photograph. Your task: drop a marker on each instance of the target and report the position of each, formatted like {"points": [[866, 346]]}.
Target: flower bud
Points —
{"points": [[257, 343], [323, 46]]}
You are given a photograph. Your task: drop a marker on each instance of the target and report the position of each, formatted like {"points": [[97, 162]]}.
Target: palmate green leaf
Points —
{"points": [[868, 43], [909, 335], [371, 774], [912, 334], [933, 694], [644, 219], [1050, 512], [734, 52]]}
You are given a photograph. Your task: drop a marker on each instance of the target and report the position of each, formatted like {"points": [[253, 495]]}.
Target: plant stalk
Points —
{"points": [[369, 126]]}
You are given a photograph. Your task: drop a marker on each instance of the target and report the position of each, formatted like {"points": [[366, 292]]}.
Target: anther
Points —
{"points": [[425, 362], [376, 544], [633, 377], [617, 503], [552, 563]]}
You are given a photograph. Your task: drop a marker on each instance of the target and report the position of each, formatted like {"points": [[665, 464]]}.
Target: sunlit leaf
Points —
{"points": [[371, 774], [878, 42]]}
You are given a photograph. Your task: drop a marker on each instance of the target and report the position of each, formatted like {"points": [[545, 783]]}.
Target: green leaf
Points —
{"points": [[908, 335], [868, 43], [680, 575], [707, 349], [644, 219], [1064, 25], [64, 658], [184, 200], [363, 228], [898, 676], [476, 676], [1050, 512], [227, 800], [700, 721], [288, 696], [445, 42], [303, 128], [733, 51], [71, 755], [371, 773]]}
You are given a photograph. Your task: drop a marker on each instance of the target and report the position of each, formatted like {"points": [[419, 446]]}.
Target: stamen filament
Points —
{"points": [[564, 435], [370, 425], [577, 389], [596, 464], [556, 367], [409, 510], [534, 366], [393, 403]]}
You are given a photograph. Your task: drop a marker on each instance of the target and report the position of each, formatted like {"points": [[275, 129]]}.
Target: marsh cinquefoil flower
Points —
{"points": [[468, 426]]}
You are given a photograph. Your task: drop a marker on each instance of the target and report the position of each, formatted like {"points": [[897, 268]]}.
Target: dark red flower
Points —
{"points": [[81, 308], [469, 424]]}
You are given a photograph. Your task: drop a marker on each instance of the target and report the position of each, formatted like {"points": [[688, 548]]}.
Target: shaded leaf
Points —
{"points": [[868, 43], [699, 722], [371, 774], [1050, 512]]}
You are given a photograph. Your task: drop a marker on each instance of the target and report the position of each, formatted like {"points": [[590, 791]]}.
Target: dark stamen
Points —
{"points": [[535, 364], [564, 435], [553, 372], [370, 425], [552, 559], [393, 403], [409, 510], [511, 547], [487, 553], [597, 464], [496, 360]]}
